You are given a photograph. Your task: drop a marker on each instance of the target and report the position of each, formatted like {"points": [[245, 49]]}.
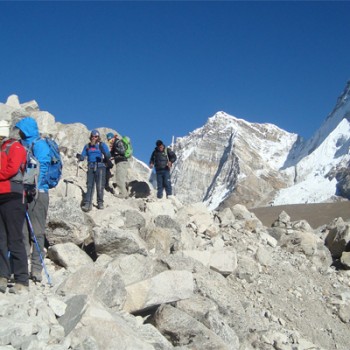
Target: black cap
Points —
{"points": [[159, 143]]}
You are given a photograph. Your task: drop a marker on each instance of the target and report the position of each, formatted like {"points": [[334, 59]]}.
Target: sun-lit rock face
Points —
{"points": [[229, 156]]}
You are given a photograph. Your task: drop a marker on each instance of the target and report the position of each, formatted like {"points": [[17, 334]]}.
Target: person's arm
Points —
{"points": [[152, 160], [15, 159], [172, 156], [41, 151], [119, 148], [106, 151], [83, 154]]}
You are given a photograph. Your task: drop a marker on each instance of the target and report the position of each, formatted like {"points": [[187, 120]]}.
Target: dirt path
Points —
{"points": [[315, 214]]}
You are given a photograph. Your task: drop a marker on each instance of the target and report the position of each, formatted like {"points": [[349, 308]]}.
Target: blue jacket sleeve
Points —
{"points": [[83, 153], [106, 150], [41, 152]]}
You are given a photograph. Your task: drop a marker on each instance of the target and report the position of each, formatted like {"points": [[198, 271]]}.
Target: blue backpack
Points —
{"points": [[54, 172]]}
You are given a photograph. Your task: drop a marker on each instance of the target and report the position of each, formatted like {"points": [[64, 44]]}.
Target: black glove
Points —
{"points": [[79, 157], [109, 164], [30, 192], [98, 159]]}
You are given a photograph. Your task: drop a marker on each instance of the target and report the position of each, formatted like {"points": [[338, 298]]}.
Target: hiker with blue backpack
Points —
{"points": [[121, 151], [37, 193], [98, 157], [12, 212]]}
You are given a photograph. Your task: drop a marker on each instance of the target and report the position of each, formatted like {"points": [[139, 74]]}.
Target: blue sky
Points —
{"points": [[152, 70]]}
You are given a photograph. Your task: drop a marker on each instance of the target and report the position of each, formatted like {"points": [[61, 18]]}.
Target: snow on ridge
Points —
{"points": [[313, 186]]}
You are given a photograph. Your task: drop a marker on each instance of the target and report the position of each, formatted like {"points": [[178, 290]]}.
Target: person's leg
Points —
{"points": [[100, 182], [37, 211], [108, 188], [167, 183], [120, 178], [160, 183], [90, 179], [5, 269], [14, 219]]}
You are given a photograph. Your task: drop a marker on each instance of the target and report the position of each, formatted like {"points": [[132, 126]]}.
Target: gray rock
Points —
{"points": [[183, 330], [337, 239], [133, 268], [117, 241], [75, 309], [67, 223], [166, 287], [69, 256], [134, 220]]}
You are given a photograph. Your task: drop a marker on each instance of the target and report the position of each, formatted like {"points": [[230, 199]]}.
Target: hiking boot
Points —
{"points": [[3, 284], [109, 189], [19, 288], [86, 207], [36, 277], [100, 206]]}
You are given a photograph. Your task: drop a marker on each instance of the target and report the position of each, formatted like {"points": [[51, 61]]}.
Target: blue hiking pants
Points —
{"points": [[95, 176], [163, 182]]}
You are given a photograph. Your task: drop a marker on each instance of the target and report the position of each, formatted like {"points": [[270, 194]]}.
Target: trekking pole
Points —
{"points": [[38, 249], [77, 168]]}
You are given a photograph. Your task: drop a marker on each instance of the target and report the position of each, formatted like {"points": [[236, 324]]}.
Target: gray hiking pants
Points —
{"points": [[37, 211], [120, 176]]}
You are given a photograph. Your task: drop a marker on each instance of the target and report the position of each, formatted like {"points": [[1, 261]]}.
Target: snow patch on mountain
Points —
{"points": [[327, 151]]}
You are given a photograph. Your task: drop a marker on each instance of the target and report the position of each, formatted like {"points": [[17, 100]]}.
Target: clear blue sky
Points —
{"points": [[151, 70]]}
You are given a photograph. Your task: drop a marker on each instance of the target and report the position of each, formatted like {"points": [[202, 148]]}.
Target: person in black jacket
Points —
{"points": [[162, 160], [121, 165]]}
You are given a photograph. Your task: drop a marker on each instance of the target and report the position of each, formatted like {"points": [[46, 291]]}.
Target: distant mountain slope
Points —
{"points": [[231, 157], [230, 160]]}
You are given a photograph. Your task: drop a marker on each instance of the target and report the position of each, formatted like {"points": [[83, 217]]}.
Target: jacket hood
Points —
{"points": [[29, 127]]}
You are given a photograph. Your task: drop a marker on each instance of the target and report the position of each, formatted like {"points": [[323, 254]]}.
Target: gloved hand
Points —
{"points": [[98, 159], [79, 157], [30, 192], [109, 164]]}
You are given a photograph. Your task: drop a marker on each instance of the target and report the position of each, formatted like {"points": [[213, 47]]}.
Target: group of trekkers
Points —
{"points": [[23, 211], [99, 157], [24, 204]]}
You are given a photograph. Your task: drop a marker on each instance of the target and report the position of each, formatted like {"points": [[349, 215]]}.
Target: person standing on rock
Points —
{"points": [[98, 156], [121, 165], [109, 174], [12, 212], [162, 160], [38, 205]]}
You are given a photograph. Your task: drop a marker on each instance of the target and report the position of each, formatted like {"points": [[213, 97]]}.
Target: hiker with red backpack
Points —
{"points": [[121, 151], [98, 157], [12, 212]]}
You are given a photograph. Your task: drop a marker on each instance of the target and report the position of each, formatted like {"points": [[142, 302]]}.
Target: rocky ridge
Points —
{"points": [[158, 274]]}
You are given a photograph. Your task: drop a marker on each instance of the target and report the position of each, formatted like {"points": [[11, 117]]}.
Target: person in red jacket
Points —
{"points": [[12, 212]]}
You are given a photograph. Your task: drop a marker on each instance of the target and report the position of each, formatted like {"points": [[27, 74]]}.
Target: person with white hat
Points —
{"points": [[12, 212]]}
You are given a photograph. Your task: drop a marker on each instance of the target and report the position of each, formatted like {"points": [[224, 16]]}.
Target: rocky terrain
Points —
{"points": [[159, 274]]}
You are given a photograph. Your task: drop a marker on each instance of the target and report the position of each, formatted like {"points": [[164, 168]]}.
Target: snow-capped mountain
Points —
{"points": [[230, 160], [231, 157], [321, 158]]}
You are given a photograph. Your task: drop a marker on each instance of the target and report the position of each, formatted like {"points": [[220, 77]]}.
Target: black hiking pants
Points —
{"points": [[12, 215]]}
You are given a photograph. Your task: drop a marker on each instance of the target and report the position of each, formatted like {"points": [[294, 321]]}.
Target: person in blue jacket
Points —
{"points": [[98, 155], [38, 204]]}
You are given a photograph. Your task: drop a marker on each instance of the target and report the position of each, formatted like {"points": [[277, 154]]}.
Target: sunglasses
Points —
{"points": [[94, 137]]}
